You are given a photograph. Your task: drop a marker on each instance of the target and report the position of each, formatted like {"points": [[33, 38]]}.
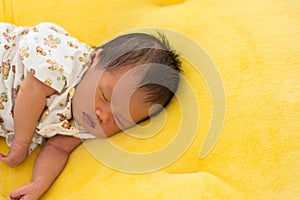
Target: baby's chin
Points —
{"points": [[89, 123]]}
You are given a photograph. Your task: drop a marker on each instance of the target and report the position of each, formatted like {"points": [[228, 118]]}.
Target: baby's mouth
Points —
{"points": [[88, 119]]}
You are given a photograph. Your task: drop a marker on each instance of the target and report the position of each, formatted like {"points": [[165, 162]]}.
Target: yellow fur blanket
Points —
{"points": [[255, 47]]}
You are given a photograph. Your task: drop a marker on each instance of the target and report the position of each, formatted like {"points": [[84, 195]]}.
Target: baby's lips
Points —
{"points": [[88, 119]]}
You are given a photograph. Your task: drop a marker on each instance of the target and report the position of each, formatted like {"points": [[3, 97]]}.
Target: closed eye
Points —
{"points": [[103, 96]]}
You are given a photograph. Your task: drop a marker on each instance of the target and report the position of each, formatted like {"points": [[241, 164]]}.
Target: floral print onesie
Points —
{"points": [[56, 59]]}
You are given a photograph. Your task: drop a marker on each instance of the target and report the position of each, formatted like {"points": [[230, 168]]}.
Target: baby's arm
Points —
{"points": [[30, 102], [48, 165]]}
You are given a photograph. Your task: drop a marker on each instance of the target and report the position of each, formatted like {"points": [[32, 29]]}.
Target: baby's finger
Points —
{"points": [[19, 193], [7, 160], [17, 198], [3, 157], [10, 160], [26, 192]]}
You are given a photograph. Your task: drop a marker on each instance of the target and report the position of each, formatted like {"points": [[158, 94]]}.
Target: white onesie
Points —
{"points": [[56, 59]]}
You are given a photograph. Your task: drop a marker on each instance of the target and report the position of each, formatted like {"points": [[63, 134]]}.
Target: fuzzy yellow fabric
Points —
{"points": [[255, 47]]}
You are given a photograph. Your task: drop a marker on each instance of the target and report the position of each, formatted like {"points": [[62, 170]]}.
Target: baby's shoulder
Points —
{"points": [[50, 27]]}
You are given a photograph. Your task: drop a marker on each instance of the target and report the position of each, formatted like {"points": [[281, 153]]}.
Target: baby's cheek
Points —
{"points": [[108, 129]]}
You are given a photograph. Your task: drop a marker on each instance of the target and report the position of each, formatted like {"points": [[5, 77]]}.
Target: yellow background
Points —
{"points": [[255, 47]]}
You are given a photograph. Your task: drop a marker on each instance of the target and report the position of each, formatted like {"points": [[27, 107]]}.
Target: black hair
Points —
{"points": [[159, 63]]}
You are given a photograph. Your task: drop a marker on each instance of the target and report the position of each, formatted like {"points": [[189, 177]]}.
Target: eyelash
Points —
{"points": [[106, 101], [102, 95]]}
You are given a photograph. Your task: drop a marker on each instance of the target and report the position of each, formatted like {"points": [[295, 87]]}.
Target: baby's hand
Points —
{"points": [[16, 155], [26, 192]]}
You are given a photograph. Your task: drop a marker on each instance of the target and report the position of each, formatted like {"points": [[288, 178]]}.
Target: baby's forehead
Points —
{"points": [[127, 74], [120, 81]]}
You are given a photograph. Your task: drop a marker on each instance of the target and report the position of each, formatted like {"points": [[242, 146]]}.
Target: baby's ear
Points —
{"points": [[96, 55]]}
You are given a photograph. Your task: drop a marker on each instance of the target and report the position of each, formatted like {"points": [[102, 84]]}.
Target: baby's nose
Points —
{"points": [[103, 115]]}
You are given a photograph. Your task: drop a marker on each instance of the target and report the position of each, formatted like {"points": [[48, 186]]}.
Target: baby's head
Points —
{"points": [[138, 72]]}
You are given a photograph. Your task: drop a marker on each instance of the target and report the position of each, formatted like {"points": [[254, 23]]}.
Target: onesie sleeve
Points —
{"points": [[52, 56]]}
